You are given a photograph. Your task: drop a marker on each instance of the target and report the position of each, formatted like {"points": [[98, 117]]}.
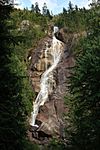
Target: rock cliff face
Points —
{"points": [[50, 116]]}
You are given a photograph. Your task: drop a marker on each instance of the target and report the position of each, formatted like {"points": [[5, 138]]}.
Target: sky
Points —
{"points": [[56, 6]]}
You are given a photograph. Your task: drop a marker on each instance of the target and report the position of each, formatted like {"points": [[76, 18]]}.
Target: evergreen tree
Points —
{"points": [[15, 95], [64, 11], [36, 8], [76, 7], [44, 9], [70, 6], [32, 8], [85, 92]]}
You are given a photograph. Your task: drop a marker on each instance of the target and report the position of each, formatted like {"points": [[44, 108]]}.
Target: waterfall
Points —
{"points": [[56, 29], [46, 82], [46, 55]]}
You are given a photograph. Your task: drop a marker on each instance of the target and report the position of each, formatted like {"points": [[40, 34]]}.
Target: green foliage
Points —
{"points": [[27, 145], [74, 18], [36, 8], [55, 145], [34, 29], [21, 30], [70, 6], [84, 99], [15, 91], [32, 8]]}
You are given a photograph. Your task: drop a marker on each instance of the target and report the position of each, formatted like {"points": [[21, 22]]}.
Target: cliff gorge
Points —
{"points": [[50, 117]]}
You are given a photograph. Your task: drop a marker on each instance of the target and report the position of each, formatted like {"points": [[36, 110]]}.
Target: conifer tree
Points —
{"points": [[85, 92], [44, 9], [15, 95], [32, 8], [36, 8], [70, 6]]}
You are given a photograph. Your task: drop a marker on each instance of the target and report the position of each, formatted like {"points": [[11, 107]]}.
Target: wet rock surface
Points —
{"points": [[50, 117]]}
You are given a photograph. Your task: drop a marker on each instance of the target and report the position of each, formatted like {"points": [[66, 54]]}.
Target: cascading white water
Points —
{"points": [[46, 55], [45, 84]]}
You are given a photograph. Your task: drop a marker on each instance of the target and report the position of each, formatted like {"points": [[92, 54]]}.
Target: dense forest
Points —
{"points": [[20, 32]]}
